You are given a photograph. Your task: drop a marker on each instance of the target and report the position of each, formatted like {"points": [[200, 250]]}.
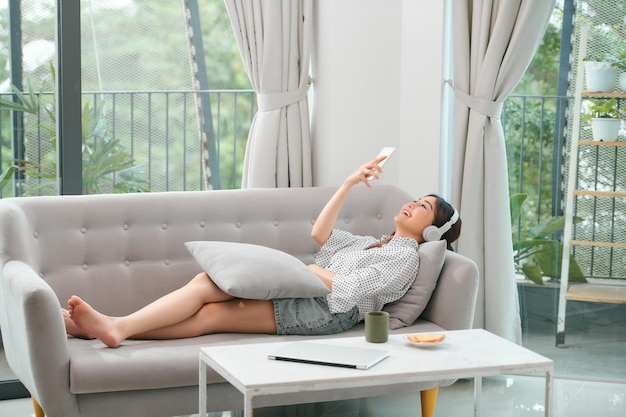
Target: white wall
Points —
{"points": [[377, 70]]}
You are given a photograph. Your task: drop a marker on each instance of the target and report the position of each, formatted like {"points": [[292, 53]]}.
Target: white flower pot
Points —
{"points": [[600, 76], [622, 81], [605, 129]]}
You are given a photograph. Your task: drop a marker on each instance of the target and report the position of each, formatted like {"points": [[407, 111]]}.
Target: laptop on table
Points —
{"points": [[327, 354]]}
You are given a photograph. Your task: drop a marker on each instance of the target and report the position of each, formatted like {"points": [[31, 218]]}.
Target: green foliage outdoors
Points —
{"points": [[5, 138], [541, 77], [106, 166], [140, 55], [536, 253], [529, 123], [6, 176], [606, 20], [4, 40], [138, 49]]}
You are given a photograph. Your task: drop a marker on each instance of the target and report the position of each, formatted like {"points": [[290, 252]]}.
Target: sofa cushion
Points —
{"points": [[256, 272], [408, 308]]}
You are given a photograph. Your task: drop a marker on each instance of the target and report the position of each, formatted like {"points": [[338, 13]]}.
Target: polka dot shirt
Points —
{"points": [[367, 278]]}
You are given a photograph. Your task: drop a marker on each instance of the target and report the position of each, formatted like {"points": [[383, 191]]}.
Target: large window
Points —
{"points": [[165, 105], [165, 102], [538, 124]]}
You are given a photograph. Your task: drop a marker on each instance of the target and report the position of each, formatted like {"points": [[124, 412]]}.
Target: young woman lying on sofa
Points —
{"points": [[363, 273]]}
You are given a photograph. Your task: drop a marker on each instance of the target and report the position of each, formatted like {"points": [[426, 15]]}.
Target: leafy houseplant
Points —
{"points": [[605, 117], [106, 166], [536, 254]]}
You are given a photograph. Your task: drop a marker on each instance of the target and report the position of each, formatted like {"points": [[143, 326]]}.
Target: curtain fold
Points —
{"points": [[494, 42], [274, 39]]}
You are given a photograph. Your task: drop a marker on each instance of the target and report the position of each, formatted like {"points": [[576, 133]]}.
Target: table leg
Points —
{"points": [[428, 400], [478, 391], [38, 410], [202, 389], [248, 411], [549, 388]]}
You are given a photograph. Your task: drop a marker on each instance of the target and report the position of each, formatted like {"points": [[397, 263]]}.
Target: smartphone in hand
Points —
{"points": [[387, 151]]}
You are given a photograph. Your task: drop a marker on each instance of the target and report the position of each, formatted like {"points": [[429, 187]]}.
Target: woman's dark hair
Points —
{"points": [[443, 213]]}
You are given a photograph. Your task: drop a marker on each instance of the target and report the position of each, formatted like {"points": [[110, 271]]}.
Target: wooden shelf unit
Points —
{"points": [[593, 94], [598, 291], [600, 143]]}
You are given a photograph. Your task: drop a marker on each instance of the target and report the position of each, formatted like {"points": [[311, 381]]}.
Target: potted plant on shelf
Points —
{"points": [[600, 72], [605, 117]]}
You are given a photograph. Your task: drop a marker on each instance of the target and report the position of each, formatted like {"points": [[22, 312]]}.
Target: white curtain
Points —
{"points": [[274, 38], [494, 42]]}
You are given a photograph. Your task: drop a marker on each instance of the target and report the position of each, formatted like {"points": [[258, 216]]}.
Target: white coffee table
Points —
{"points": [[464, 354]]}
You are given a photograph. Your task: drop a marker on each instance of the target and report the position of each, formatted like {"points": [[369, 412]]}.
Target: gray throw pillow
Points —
{"points": [[256, 272], [407, 309]]}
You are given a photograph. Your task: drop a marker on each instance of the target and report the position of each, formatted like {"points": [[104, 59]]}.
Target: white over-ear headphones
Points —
{"points": [[432, 232]]}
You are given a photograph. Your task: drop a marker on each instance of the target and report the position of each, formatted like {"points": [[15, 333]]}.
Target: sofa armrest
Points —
{"points": [[453, 302], [34, 338]]}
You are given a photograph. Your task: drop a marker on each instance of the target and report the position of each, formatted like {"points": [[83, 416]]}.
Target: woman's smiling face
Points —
{"points": [[414, 217]]}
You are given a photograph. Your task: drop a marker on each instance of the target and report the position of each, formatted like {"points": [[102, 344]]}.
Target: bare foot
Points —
{"points": [[71, 328], [94, 323]]}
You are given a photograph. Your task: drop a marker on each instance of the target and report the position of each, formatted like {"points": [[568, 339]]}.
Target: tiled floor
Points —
{"points": [[502, 397], [595, 341]]}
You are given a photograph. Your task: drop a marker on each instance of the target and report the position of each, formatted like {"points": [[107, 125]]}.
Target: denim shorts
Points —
{"points": [[310, 316]]}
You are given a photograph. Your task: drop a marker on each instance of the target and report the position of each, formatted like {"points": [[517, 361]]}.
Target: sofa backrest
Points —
{"points": [[124, 250]]}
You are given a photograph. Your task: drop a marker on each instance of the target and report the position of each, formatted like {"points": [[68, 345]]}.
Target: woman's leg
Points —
{"points": [[234, 316], [170, 309]]}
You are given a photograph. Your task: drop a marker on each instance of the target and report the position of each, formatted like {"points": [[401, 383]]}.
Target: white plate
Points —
{"points": [[425, 344]]}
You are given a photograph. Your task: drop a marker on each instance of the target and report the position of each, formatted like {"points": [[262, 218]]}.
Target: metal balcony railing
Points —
{"points": [[162, 131], [536, 128], [535, 140], [164, 134]]}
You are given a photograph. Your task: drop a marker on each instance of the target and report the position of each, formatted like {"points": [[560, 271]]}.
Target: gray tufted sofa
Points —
{"points": [[121, 252]]}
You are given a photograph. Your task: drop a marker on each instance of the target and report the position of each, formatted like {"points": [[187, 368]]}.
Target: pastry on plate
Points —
{"points": [[426, 337]]}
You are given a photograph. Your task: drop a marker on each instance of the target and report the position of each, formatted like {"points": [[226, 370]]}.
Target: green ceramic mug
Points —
{"points": [[377, 326]]}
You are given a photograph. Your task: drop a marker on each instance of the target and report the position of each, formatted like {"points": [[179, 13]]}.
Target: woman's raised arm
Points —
{"points": [[325, 222]]}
